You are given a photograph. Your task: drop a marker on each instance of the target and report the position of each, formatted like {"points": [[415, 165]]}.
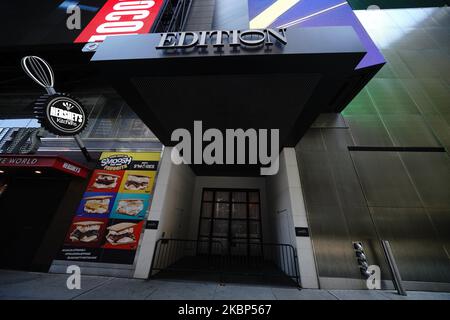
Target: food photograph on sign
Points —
{"points": [[96, 204], [130, 206], [136, 181], [86, 232], [105, 181], [122, 234]]}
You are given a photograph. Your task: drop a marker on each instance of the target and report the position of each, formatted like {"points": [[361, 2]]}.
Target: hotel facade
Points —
{"points": [[359, 97]]}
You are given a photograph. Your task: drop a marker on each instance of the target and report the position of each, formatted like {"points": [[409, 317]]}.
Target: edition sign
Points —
{"points": [[60, 114], [220, 38]]}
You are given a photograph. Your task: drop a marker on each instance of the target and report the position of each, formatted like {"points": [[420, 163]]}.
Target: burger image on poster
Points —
{"points": [[85, 231], [121, 233]]}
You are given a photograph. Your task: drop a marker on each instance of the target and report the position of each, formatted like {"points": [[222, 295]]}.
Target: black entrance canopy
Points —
{"points": [[273, 85]]}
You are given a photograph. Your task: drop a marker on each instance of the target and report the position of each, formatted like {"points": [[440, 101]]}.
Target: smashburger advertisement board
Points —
{"points": [[121, 17], [112, 212]]}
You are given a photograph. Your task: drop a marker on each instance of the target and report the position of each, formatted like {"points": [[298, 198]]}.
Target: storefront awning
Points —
{"points": [[283, 83], [54, 163]]}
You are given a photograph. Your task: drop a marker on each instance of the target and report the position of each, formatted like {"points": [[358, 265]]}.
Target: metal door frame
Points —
{"points": [[230, 202]]}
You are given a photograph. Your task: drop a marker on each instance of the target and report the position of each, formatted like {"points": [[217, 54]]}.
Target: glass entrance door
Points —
{"points": [[231, 217]]}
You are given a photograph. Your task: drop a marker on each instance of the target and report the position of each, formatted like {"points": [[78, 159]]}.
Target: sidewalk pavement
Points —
{"points": [[31, 285]]}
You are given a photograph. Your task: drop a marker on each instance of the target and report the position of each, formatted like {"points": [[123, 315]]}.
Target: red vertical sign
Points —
{"points": [[121, 17]]}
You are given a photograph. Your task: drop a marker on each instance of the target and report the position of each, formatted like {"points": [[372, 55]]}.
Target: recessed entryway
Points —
{"points": [[231, 217]]}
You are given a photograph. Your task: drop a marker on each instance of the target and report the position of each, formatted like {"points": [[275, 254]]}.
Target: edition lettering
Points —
{"points": [[220, 38]]}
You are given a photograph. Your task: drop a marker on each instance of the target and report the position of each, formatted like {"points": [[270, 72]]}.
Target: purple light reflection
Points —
{"points": [[321, 13]]}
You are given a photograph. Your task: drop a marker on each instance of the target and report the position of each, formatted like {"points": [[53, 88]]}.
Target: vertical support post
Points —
{"points": [[82, 147], [396, 278]]}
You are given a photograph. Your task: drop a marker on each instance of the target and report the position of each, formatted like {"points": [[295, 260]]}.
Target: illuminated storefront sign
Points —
{"points": [[8, 162], [120, 17]]}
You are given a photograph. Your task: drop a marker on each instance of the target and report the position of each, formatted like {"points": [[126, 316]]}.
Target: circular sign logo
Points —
{"points": [[61, 114]]}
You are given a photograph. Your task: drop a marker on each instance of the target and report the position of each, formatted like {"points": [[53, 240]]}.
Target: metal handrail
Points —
{"points": [[166, 240], [170, 252], [395, 273]]}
